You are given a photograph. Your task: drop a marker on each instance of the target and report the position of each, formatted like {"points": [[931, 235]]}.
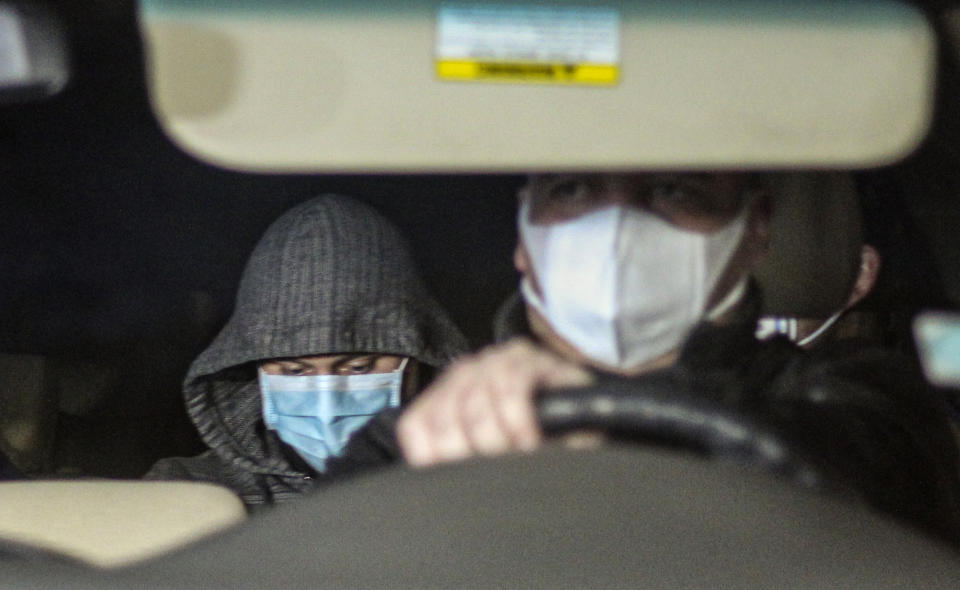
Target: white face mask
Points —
{"points": [[624, 286]]}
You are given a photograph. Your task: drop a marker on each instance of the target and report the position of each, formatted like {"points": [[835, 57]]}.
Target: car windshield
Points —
{"points": [[142, 176]]}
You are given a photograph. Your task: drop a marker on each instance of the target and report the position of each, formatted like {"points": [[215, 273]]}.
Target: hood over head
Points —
{"points": [[332, 275]]}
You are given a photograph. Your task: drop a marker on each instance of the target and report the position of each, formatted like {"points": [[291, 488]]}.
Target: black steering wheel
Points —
{"points": [[663, 409], [619, 516]]}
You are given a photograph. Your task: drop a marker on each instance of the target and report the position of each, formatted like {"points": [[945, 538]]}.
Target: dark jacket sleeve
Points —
{"points": [[372, 447], [871, 419], [253, 489], [204, 467]]}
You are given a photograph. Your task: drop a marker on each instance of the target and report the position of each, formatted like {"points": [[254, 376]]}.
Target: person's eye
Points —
{"points": [[357, 367], [295, 369], [670, 190], [676, 196], [568, 191]]}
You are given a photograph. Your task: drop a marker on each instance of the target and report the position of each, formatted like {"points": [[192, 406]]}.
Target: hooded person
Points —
{"points": [[331, 325]]}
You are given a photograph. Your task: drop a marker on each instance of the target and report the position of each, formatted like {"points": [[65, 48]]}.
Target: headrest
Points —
{"points": [[816, 239]]}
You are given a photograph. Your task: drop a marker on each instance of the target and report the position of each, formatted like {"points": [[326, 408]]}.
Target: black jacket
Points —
{"points": [[864, 415], [331, 275]]}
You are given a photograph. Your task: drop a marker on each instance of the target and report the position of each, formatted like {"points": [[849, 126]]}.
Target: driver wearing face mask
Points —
{"points": [[331, 326], [628, 274], [592, 252], [617, 270]]}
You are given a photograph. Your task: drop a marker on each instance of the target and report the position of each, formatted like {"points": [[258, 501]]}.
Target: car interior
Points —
{"points": [[146, 145]]}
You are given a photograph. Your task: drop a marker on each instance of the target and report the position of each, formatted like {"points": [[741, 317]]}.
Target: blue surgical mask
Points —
{"points": [[317, 414]]}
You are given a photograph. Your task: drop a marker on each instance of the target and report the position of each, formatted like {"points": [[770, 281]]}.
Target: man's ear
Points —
{"points": [[870, 262], [521, 260]]}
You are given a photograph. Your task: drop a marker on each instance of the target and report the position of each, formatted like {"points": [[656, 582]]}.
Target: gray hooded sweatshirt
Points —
{"points": [[331, 275]]}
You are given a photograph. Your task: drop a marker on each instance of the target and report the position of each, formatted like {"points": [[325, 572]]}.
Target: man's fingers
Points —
{"points": [[429, 431], [483, 405], [560, 373], [414, 441], [514, 385], [531, 369], [431, 437], [482, 422]]}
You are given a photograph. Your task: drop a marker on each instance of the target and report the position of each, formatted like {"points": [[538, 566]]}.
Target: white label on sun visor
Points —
{"points": [[530, 44], [937, 335], [13, 50]]}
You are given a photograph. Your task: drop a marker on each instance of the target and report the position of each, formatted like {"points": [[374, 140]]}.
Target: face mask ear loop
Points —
{"points": [[823, 328], [266, 400], [402, 368], [728, 302], [792, 329], [738, 227], [399, 392]]}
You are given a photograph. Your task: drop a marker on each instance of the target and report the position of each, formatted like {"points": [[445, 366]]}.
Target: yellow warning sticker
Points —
{"points": [[528, 72], [534, 44]]}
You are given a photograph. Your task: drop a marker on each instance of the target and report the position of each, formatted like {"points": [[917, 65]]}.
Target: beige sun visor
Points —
{"points": [[322, 86]]}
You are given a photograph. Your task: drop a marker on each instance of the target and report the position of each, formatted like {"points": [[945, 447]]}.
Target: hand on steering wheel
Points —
{"points": [[508, 397], [483, 405]]}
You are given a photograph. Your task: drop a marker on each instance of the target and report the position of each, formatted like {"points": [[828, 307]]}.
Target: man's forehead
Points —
{"points": [[694, 200], [715, 178]]}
